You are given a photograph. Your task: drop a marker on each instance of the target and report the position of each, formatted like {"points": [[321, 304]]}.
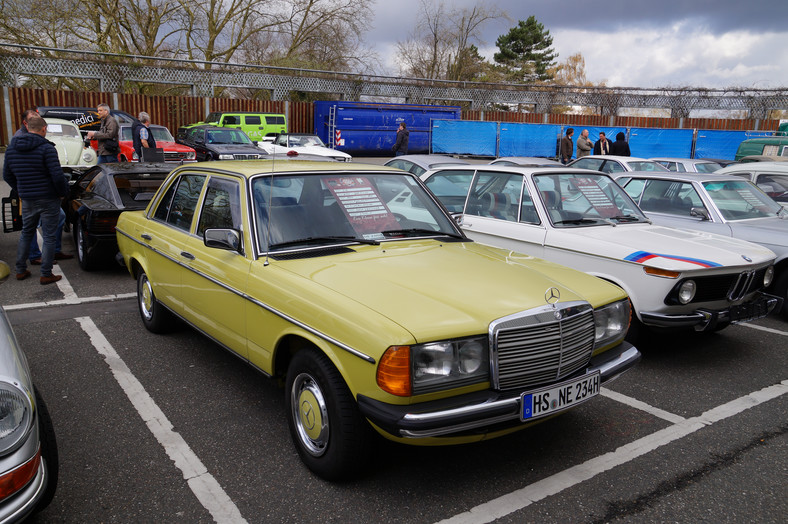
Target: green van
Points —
{"points": [[765, 145], [255, 125]]}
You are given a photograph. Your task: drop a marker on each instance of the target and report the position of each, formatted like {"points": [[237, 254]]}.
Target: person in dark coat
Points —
{"points": [[32, 169], [567, 147], [400, 147], [141, 135], [603, 145], [620, 146]]}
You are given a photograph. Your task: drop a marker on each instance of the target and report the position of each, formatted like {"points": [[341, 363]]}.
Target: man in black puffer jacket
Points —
{"points": [[32, 168]]}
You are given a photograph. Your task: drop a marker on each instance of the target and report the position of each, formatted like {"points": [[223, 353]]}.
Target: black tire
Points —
{"points": [[781, 290], [46, 435], [155, 317], [86, 262], [328, 431]]}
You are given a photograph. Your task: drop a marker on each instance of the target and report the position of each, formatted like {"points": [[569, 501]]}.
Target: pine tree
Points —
{"points": [[526, 52]]}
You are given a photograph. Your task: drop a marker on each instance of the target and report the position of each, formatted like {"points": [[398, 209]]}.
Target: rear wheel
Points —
{"points": [[86, 262], [329, 433], [155, 317]]}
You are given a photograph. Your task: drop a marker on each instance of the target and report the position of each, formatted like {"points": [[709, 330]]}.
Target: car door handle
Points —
{"points": [[147, 237], [186, 254]]}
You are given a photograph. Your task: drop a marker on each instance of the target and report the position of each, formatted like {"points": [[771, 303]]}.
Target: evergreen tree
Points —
{"points": [[526, 52]]}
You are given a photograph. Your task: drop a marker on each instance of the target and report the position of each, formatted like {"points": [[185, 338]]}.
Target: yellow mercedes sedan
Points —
{"points": [[352, 285]]}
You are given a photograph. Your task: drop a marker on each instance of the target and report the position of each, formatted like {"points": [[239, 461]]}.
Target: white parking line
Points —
{"points": [[637, 404], [68, 302], [762, 328], [203, 484], [517, 500]]}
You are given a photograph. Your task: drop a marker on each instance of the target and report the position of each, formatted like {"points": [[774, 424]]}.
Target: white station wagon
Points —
{"points": [[584, 220]]}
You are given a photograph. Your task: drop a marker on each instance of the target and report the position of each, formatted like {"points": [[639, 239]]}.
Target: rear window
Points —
{"points": [[275, 120]]}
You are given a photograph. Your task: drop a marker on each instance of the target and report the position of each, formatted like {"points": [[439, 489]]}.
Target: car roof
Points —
{"points": [[678, 159], [672, 175], [280, 166], [780, 167], [524, 170], [616, 157], [526, 160]]}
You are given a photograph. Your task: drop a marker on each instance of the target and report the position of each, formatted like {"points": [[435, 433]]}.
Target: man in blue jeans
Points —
{"points": [[32, 169]]}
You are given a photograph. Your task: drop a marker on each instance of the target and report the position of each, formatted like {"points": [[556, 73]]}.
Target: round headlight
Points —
{"points": [[88, 155], [687, 292], [16, 414], [768, 276], [471, 354]]}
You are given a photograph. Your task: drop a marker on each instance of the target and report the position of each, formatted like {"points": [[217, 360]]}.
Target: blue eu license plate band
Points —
{"points": [[552, 399]]}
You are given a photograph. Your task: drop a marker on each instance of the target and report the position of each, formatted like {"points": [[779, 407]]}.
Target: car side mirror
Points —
{"points": [[227, 239], [699, 212]]}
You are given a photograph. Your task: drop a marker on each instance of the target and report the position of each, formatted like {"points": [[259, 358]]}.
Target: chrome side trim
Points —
{"points": [[257, 302]]}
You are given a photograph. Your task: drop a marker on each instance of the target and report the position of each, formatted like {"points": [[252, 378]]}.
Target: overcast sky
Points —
{"points": [[635, 43]]}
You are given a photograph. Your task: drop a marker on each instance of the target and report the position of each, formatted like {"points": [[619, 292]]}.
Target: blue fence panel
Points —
{"points": [[713, 143], [461, 137], [528, 139], [649, 142]]}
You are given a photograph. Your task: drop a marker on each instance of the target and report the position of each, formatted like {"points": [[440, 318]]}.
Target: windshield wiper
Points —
{"points": [[585, 221], [630, 218], [323, 239], [418, 232]]}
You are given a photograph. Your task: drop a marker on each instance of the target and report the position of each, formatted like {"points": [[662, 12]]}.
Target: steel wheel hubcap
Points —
{"points": [[310, 414], [146, 298]]}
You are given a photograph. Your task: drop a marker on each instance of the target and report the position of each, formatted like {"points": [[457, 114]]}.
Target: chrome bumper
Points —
{"points": [[706, 320], [478, 412]]}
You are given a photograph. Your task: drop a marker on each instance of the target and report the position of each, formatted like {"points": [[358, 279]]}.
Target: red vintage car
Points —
{"points": [[173, 152]]}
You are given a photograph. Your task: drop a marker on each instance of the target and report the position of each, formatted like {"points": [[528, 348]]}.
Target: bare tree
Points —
{"points": [[442, 43]]}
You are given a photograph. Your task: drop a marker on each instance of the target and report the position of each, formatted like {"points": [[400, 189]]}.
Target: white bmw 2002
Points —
{"points": [[583, 219]]}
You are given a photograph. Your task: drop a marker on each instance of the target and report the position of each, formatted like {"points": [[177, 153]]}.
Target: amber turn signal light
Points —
{"points": [[394, 371]]}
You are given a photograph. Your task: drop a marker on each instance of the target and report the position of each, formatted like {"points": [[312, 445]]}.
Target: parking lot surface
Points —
{"points": [[175, 429]]}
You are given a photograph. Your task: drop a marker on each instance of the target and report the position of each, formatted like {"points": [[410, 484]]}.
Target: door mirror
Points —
{"points": [[228, 239], [700, 212]]}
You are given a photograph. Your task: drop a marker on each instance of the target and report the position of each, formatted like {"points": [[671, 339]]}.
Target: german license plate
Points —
{"points": [[535, 404]]}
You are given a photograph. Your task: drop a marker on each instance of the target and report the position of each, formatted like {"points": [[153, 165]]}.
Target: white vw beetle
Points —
{"points": [[71, 148], [584, 220]]}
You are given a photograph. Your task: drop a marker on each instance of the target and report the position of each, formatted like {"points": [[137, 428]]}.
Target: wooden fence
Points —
{"points": [[175, 111]]}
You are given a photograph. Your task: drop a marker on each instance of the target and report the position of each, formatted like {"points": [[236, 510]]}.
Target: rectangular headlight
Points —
{"points": [[449, 364], [611, 323]]}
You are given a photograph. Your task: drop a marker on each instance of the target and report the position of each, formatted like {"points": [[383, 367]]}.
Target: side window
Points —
{"points": [[184, 202], [634, 188], [613, 167], [451, 188], [252, 120], [222, 206], [680, 168], [528, 212], [496, 195], [230, 120], [163, 208], [672, 198]]}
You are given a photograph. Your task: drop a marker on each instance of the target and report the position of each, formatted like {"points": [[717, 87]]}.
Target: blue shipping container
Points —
{"points": [[370, 129]]}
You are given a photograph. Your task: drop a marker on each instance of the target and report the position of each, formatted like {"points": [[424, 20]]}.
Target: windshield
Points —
{"points": [[740, 199], [226, 136], [707, 167], [576, 200], [162, 134], [61, 130], [315, 210], [304, 141]]}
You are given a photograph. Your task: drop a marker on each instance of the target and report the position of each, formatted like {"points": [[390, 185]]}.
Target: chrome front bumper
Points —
{"points": [[479, 412]]}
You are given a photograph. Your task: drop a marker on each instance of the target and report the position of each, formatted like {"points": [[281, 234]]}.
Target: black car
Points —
{"points": [[220, 143], [99, 195]]}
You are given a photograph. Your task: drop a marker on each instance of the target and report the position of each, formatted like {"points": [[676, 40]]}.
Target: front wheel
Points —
{"points": [[46, 435], [329, 433], [781, 290], [155, 317]]}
